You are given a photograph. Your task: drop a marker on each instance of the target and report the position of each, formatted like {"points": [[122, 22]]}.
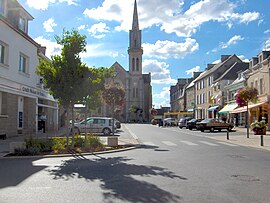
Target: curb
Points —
{"points": [[70, 155]]}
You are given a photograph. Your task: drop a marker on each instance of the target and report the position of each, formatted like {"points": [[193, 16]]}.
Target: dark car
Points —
{"points": [[183, 122], [192, 123], [213, 124]]}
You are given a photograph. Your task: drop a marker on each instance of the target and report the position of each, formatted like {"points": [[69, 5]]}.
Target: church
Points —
{"points": [[137, 86]]}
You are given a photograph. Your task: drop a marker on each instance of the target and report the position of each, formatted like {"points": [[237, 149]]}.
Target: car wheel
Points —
{"points": [[212, 129], [202, 130], [219, 130], [106, 131], [229, 128], [190, 128]]}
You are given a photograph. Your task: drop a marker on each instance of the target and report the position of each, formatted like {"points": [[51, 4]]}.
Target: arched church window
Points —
{"points": [[137, 64], [133, 64]]}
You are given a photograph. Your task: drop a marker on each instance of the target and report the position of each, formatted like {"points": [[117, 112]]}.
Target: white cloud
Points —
{"points": [[169, 49], [243, 58], [170, 15], [98, 50], [267, 45], [160, 72], [49, 24], [233, 40], [192, 70], [52, 48], [266, 31], [225, 45], [98, 30], [81, 27], [44, 4], [162, 98]]}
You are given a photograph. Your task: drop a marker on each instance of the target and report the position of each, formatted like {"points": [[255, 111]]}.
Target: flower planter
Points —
{"points": [[259, 131]]}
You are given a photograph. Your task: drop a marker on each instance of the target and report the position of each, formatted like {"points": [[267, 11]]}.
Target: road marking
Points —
{"points": [[168, 143], [189, 143], [131, 133], [229, 144], [208, 143]]}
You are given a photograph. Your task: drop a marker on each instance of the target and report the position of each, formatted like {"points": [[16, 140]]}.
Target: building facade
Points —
{"points": [[23, 101], [137, 85]]}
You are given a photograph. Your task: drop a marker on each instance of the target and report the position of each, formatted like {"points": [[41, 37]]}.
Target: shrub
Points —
{"points": [[59, 143], [94, 143], [78, 141]]}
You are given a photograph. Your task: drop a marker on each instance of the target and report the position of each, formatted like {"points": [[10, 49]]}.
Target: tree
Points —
{"points": [[65, 73], [114, 95], [244, 96], [93, 89]]}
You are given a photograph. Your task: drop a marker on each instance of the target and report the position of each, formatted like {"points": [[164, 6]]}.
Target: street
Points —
{"points": [[171, 165]]}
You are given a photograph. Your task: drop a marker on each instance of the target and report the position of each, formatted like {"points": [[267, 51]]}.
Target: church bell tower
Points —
{"points": [[135, 50]]}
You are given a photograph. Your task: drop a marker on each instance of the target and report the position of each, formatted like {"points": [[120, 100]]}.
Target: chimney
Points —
{"points": [[42, 49]]}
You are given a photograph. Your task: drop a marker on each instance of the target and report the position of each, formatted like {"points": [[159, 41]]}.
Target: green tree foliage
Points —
{"points": [[68, 79]]}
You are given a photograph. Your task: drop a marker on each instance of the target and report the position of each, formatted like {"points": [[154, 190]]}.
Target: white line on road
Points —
{"points": [[229, 144], [189, 143], [168, 143], [208, 143], [131, 133]]}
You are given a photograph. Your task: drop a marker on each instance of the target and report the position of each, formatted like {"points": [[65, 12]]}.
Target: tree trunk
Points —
{"points": [[72, 113], [67, 126]]}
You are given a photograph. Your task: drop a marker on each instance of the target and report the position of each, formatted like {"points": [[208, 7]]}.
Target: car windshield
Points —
{"points": [[206, 120]]}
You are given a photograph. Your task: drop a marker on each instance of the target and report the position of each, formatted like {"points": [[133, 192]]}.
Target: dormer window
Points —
{"points": [[2, 7], [22, 24]]}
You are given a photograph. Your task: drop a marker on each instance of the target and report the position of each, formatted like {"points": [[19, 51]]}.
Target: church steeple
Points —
{"points": [[135, 24], [135, 51]]}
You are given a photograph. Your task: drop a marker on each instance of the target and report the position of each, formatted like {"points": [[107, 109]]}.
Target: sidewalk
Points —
{"points": [[124, 138], [239, 137]]}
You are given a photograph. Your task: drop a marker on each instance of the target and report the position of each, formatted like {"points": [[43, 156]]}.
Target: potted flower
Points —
{"points": [[259, 127]]}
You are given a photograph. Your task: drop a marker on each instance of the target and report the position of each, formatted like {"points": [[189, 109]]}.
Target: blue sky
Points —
{"points": [[179, 36]]}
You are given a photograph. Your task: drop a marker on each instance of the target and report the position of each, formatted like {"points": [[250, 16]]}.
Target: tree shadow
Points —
{"points": [[15, 171], [117, 178]]}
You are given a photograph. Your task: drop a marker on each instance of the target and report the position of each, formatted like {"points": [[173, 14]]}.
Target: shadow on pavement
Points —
{"points": [[15, 171], [117, 178]]}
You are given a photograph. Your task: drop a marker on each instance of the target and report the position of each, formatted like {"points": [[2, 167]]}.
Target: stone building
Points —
{"points": [[137, 85]]}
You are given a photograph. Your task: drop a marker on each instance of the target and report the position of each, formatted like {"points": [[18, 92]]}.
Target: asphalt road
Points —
{"points": [[172, 165]]}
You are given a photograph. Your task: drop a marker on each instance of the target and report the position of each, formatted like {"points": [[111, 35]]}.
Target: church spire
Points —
{"points": [[135, 24]]}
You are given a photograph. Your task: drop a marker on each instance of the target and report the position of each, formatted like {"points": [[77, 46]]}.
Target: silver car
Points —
{"points": [[96, 125]]}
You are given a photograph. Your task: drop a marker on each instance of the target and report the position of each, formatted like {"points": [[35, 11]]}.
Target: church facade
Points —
{"points": [[137, 86]]}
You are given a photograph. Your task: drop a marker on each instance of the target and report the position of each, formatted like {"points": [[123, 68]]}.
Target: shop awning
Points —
{"points": [[190, 110], [244, 108], [213, 108], [228, 108]]}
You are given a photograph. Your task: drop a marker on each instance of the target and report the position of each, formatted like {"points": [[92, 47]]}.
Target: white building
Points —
{"points": [[23, 101]]}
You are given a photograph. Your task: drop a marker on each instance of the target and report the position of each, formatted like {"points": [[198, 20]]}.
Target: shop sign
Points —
{"points": [[33, 91]]}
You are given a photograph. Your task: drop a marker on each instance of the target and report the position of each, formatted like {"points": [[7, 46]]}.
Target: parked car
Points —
{"points": [[170, 122], [213, 124], [96, 125], [191, 124], [183, 122]]}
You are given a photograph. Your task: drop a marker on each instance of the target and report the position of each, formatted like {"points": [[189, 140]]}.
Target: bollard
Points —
{"points": [[261, 140], [228, 135]]}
